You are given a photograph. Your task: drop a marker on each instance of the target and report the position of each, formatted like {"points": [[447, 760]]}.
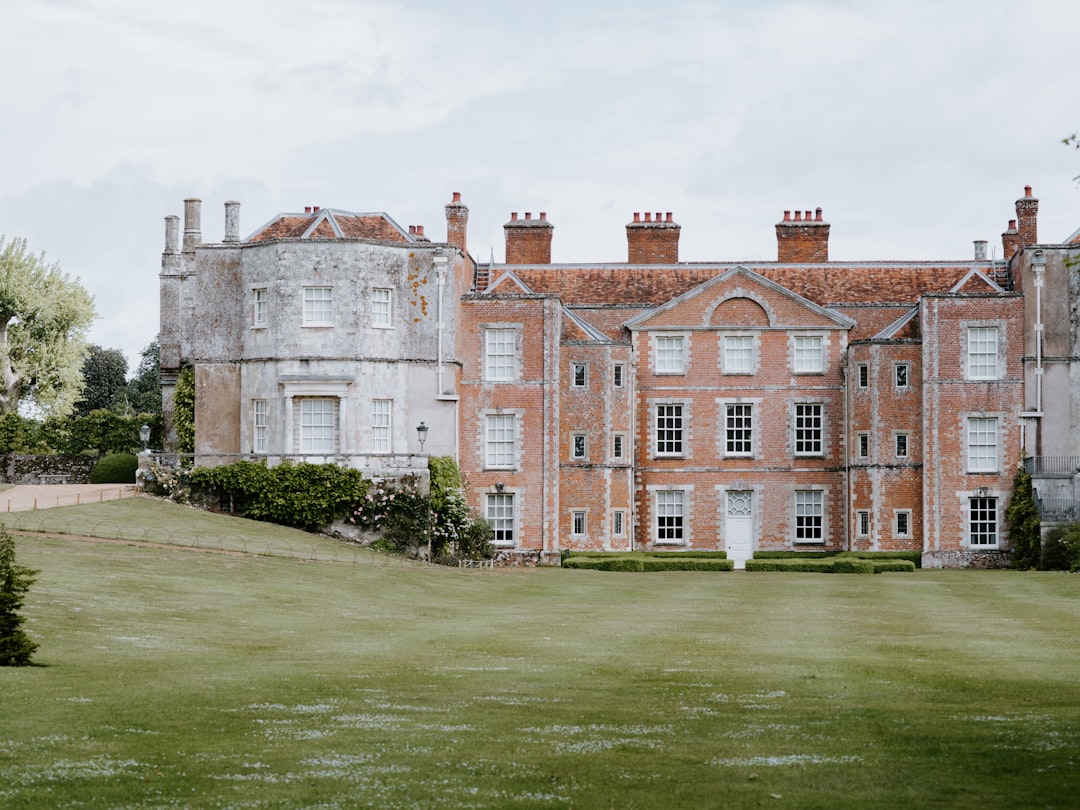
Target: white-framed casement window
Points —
{"points": [[862, 523], [318, 424], [902, 524], [902, 376], [577, 520], [738, 354], [618, 445], [738, 429], [862, 372], [669, 430], [499, 512], [579, 375], [381, 300], [982, 444], [809, 516], [809, 429], [259, 428], [500, 354], [380, 425], [669, 517], [982, 353], [500, 431], [579, 450], [259, 307], [983, 522], [318, 306], [807, 354], [618, 523], [670, 353], [862, 445], [901, 440], [618, 375]]}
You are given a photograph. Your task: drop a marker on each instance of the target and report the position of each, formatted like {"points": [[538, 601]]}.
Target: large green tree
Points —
{"points": [[44, 317], [144, 388], [104, 373], [16, 648]]}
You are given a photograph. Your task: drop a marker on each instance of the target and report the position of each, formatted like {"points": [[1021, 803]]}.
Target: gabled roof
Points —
{"points": [[585, 331], [739, 271], [976, 281], [332, 223], [902, 327]]}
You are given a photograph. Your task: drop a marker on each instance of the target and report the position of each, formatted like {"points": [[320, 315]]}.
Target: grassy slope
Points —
{"points": [[173, 678]]}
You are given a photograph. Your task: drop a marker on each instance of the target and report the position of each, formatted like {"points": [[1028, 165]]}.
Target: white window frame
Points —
{"points": [[500, 354], [902, 516], [902, 439], [983, 439], [319, 425], [669, 354], [579, 525], [382, 308], [318, 306], [984, 522], [739, 354], [618, 523], [500, 441], [618, 445], [579, 375], [809, 523], [862, 523], [669, 430], [902, 369], [808, 439], [808, 354], [983, 346], [670, 517], [739, 434], [260, 307], [862, 445], [259, 426], [618, 375], [381, 425], [579, 447], [501, 512], [862, 375]]}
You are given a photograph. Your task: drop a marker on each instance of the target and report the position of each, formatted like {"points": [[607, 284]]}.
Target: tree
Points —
{"points": [[104, 374], [44, 316], [16, 648], [1022, 515], [144, 388]]}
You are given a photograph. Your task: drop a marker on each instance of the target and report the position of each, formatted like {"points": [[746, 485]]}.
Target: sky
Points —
{"points": [[914, 125]]}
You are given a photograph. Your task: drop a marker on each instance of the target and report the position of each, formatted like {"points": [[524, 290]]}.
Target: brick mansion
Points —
{"points": [[650, 403]]}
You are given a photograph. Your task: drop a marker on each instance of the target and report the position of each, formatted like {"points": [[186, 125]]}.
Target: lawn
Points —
{"points": [[177, 678]]}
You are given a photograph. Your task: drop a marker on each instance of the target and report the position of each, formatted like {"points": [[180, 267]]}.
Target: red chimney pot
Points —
{"points": [[1027, 191], [457, 196], [637, 216]]}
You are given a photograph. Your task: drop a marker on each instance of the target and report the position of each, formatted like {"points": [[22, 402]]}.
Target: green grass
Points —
{"points": [[172, 678]]}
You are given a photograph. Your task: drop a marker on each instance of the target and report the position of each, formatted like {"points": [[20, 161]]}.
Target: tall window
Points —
{"points": [[318, 306], [808, 429], [500, 350], [983, 522], [669, 516], [901, 445], [902, 523], [739, 430], [862, 523], [738, 354], [578, 520], [579, 450], [259, 308], [808, 354], [380, 425], [318, 420], [982, 347], [670, 357], [500, 441], [809, 516], [580, 375], [618, 371], [618, 522], [902, 372], [982, 441], [258, 425], [669, 430], [500, 514], [863, 440], [380, 307], [618, 445], [864, 375]]}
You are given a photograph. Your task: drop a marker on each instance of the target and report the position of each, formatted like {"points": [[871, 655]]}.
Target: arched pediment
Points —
{"points": [[739, 308]]}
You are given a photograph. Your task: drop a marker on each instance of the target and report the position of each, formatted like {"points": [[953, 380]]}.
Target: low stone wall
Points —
{"points": [[30, 469], [966, 559]]}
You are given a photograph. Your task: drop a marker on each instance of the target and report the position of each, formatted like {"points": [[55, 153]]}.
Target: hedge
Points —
{"points": [[719, 555], [623, 563], [686, 564], [833, 565], [118, 468]]}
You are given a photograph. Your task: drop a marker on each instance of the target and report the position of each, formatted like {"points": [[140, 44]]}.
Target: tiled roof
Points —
{"points": [[330, 223]]}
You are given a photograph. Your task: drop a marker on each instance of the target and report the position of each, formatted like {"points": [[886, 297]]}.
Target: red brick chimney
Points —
{"points": [[457, 222], [1010, 239], [802, 240], [650, 241], [528, 241], [1027, 209]]}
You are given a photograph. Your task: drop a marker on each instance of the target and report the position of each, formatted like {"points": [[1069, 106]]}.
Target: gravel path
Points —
{"points": [[23, 498]]}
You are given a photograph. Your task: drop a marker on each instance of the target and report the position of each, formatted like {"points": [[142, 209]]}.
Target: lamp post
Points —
{"points": [[144, 436], [421, 434]]}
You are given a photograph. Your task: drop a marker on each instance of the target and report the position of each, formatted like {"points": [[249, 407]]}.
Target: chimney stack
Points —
{"points": [[528, 241], [1027, 209], [172, 234], [192, 223], [653, 241], [457, 222], [232, 222], [802, 240], [980, 250], [1010, 240]]}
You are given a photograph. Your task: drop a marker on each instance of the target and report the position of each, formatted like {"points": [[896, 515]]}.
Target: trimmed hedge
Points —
{"points": [[885, 566], [719, 555], [625, 563], [686, 564], [118, 468], [833, 565], [631, 561], [915, 557]]}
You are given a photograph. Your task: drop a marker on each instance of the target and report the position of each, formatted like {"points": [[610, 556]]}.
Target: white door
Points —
{"points": [[739, 527]]}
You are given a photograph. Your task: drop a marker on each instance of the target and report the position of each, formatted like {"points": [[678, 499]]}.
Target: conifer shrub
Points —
{"points": [[16, 648], [1025, 527], [117, 468]]}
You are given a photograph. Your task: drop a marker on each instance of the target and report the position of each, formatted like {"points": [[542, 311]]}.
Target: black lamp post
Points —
{"points": [[421, 434]]}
